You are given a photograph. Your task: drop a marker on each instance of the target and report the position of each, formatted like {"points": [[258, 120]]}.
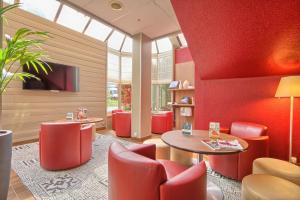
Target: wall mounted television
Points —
{"points": [[61, 78]]}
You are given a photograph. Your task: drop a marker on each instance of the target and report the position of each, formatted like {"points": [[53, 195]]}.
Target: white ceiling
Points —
{"points": [[157, 17]]}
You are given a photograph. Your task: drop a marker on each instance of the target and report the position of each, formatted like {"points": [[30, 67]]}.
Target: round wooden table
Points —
{"points": [[193, 143]]}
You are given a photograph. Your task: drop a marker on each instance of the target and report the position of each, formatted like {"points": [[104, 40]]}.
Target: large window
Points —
{"points": [[45, 8], [119, 77], [162, 75]]}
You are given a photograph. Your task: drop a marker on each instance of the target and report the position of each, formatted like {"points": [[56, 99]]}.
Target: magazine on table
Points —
{"points": [[223, 144]]}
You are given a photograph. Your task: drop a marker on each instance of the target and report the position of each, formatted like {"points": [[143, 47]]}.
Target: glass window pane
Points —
{"points": [[182, 40], [126, 97], [154, 49], [43, 8], [162, 68], [98, 30], [127, 46], [126, 70], [154, 69], [115, 40], [72, 19], [164, 45], [112, 96], [113, 67], [160, 97], [9, 1]]}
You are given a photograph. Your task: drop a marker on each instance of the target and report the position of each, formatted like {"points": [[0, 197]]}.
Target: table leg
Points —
{"points": [[213, 191]]}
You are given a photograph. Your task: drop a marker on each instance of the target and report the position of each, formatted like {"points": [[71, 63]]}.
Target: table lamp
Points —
{"points": [[289, 87]]}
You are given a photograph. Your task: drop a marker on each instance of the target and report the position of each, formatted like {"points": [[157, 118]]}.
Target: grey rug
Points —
{"points": [[88, 181]]}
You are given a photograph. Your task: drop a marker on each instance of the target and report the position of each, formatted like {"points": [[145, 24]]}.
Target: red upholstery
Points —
{"points": [[237, 166], [64, 145], [133, 176], [162, 123], [123, 124], [113, 118]]}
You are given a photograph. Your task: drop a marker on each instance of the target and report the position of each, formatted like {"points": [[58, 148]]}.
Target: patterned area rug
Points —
{"points": [[85, 182]]}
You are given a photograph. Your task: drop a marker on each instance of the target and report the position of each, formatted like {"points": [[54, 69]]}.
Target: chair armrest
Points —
{"points": [[86, 129], [190, 184], [147, 150], [258, 147], [261, 142]]}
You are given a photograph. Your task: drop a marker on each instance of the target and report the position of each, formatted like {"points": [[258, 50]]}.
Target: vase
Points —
{"points": [[5, 162], [186, 84]]}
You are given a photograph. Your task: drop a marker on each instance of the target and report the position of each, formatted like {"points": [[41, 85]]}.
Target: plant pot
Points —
{"points": [[5, 162]]}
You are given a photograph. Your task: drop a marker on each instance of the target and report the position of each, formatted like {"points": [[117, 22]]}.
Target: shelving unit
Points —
{"points": [[183, 89], [183, 71], [177, 95], [183, 105]]}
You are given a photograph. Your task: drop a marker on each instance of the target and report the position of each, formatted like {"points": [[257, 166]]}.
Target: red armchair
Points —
{"points": [[162, 123], [123, 124], [64, 145], [113, 118], [133, 174], [236, 166]]}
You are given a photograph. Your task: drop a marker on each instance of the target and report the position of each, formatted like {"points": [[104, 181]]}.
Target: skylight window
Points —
{"points": [[46, 8], [115, 40], [98, 30], [127, 46], [164, 45], [72, 18], [154, 49], [9, 1], [182, 40]]}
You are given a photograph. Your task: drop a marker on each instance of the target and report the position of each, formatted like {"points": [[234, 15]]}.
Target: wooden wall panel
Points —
{"points": [[24, 110]]}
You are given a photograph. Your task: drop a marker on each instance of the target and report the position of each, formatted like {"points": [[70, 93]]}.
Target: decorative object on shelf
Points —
{"points": [[70, 116], [81, 113], [186, 100], [187, 128], [214, 130], [22, 49], [180, 85], [289, 87], [186, 84], [174, 85], [186, 111]]}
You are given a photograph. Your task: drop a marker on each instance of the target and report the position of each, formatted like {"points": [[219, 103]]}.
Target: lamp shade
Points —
{"points": [[288, 87]]}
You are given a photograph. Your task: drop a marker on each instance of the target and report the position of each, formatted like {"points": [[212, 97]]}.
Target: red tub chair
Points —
{"points": [[236, 166], [162, 123], [134, 174], [64, 145], [113, 118], [123, 124]]}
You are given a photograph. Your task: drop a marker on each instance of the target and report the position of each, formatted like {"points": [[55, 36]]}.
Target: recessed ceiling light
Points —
{"points": [[116, 5]]}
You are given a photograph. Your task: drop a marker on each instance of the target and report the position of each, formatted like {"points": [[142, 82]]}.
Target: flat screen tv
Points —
{"points": [[61, 78]]}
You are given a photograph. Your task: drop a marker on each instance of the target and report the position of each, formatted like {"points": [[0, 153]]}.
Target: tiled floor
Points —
{"points": [[18, 191]]}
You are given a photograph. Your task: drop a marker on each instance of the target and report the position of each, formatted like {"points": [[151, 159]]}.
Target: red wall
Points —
{"points": [[183, 55], [236, 81]]}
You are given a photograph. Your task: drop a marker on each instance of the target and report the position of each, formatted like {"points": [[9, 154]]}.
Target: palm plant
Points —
{"points": [[24, 48]]}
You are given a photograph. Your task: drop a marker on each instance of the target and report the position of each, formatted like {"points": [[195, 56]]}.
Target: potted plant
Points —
{"points": [[22, 49]]}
